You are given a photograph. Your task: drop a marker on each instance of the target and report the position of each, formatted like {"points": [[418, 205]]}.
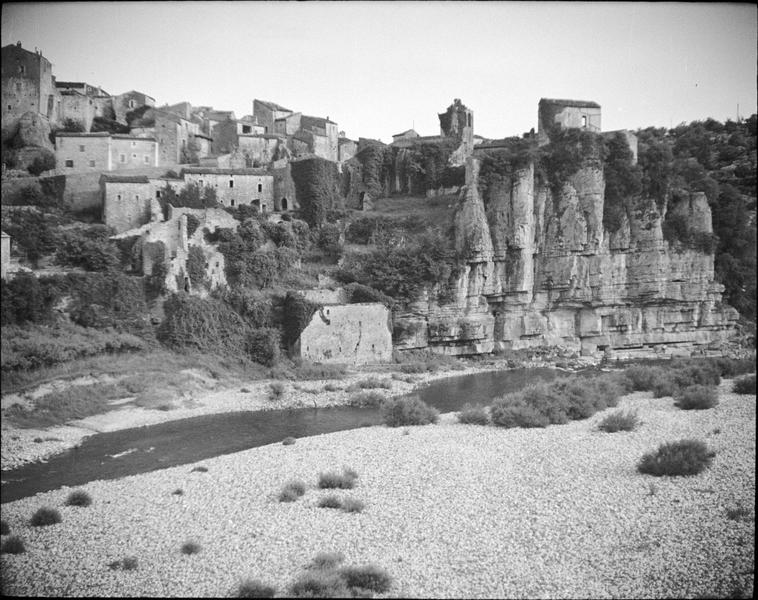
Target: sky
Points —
{"points": [[379, 68]]}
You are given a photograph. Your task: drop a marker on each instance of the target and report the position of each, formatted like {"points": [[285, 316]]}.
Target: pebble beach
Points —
{"points": [[450, 511]]}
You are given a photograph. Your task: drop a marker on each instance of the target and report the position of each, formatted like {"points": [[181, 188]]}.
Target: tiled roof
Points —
{"points": [[223, 171], [579, 103], [125, 178], [272, 105]]}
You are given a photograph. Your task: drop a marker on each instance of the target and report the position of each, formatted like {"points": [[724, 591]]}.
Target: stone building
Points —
{"points": [[347, 333], [235, 187], [409, 134], [259, 149], [128, 201], [266, 113], [128, 101], [288, 125], [77, 107], [102, 151], [346, 148], [573, 114], [324, 135], [175, 136], [28, 85]]}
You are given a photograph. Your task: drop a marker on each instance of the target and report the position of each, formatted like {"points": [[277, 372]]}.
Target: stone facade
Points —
{"points": [[347, 148], [27, 85], [94, 152], [235, 187], [77, 107], [574, 114], [266, 113], [128, 101], [259, 148], [288, 125], [128, 202], [347, 333]]}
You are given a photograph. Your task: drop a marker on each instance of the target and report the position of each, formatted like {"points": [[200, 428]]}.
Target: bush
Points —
{"points": [[13, 545], [330, 501], [200, 469], [44, 517], [263, 345], [474, 415], [276, 390], [685, 457], [642, 378], [548, 399], [369, 384], [288, 441], [78, 498], [372, 399], [292, 491], [352, 505], [43, 163], [319, 584], [190, 547], [619, 421], [342, 481], [744, 385], [4, 527], [697, 397], [512, 411], [410, 410], [664, 385], [254, 588], [327, 560], [178, 492], [309, 371], [368, 577], [128, 563], [729, 367]]}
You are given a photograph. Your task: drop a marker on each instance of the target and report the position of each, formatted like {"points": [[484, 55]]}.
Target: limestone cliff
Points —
{"points": [[538, 268]]}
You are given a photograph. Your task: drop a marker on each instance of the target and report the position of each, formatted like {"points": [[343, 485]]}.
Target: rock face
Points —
{"points": [[33, 130], [539, 269]]}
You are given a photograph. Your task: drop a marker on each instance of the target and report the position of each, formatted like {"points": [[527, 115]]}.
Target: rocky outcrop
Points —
{"points": [[538, 268]]}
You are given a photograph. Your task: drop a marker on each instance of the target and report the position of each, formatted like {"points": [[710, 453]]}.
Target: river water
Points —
{"points": [[139, 450]]}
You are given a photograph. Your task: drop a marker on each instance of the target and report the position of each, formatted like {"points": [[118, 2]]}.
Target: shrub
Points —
{"points": [[548, 399], [738, 513], [190, 547], [292, 491], [352, 505], [327, 560], [178, 492], [128, 563], [254, 588], [371, 399], [642, 378], [512, 411], [368, 577], [342, 481], [664, 385], [697, 397], [13, 545], [744, 385], [474, 415], [288, 441], [729, 367], [330, 501], [200, 469], [263, 345], [319, 584], [369, 384], [410, 410], [685, 457], [79, 498], [308, 371], [5, 529], [619, 421], [45, 516], [276, 390]]}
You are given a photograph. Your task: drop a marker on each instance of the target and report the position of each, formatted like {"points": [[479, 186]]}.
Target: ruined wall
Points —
{"points": [[540, 270], [347, 333]]}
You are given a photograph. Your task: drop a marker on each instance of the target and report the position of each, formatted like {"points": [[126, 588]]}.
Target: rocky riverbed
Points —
{"points": [[450, 511]]}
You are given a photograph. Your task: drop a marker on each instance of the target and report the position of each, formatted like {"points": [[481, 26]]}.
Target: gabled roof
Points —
{"points": [[406, 132], [578, 103], [271, 105]]}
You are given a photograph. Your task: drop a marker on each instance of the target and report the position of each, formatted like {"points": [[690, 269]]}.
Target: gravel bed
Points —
{"points": [[451, 511]]}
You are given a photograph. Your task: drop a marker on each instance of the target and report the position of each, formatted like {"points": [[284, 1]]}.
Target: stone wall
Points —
{"points": [[78, 108], [235, 189], [347, 333]]}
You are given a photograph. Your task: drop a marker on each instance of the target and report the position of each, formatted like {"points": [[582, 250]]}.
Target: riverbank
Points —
{"points": [[450, 511], [23, 445]]}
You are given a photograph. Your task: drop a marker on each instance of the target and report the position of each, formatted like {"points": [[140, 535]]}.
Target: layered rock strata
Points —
{"points": [[539, 269]]}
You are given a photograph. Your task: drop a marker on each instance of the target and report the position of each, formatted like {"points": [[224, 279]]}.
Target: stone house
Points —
{"points": [[247, 125], [288, 125], [78, 107], [259, 148], [175, 136], [128, 101], [354, 334], [266, 113], [573, 114], [102, 151], [235, 187], [325, 136], [27, 85], [128, 201]]}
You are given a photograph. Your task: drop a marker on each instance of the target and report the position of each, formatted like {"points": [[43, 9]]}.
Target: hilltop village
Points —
{"points": [[532, 259]]}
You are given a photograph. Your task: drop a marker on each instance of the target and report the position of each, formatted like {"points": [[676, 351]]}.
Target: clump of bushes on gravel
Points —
{"points": [[190, 547], [78, 498], [696, 397], [44, 517], [409, 410], [619, 421], [367, 399], [325, 578], [473, 415], [744, 385], [292, 491], [330, 501], [682, 458], [343, 481], [254, 588], [13, 545]]}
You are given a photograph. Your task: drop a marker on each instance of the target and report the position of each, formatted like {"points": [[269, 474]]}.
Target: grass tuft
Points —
{"points": [[200, 469], [738, 513], [190, 547], [128, 563], [44, 517], [352, 505], [682, 458], [292, 491], [327, 560], [78, 498], [319, 584], [370, 383], [619, 421], [367, 577], [254, 588], [330, 501], [276, 390], [178, 492], [13, 545], [342, 481]]}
